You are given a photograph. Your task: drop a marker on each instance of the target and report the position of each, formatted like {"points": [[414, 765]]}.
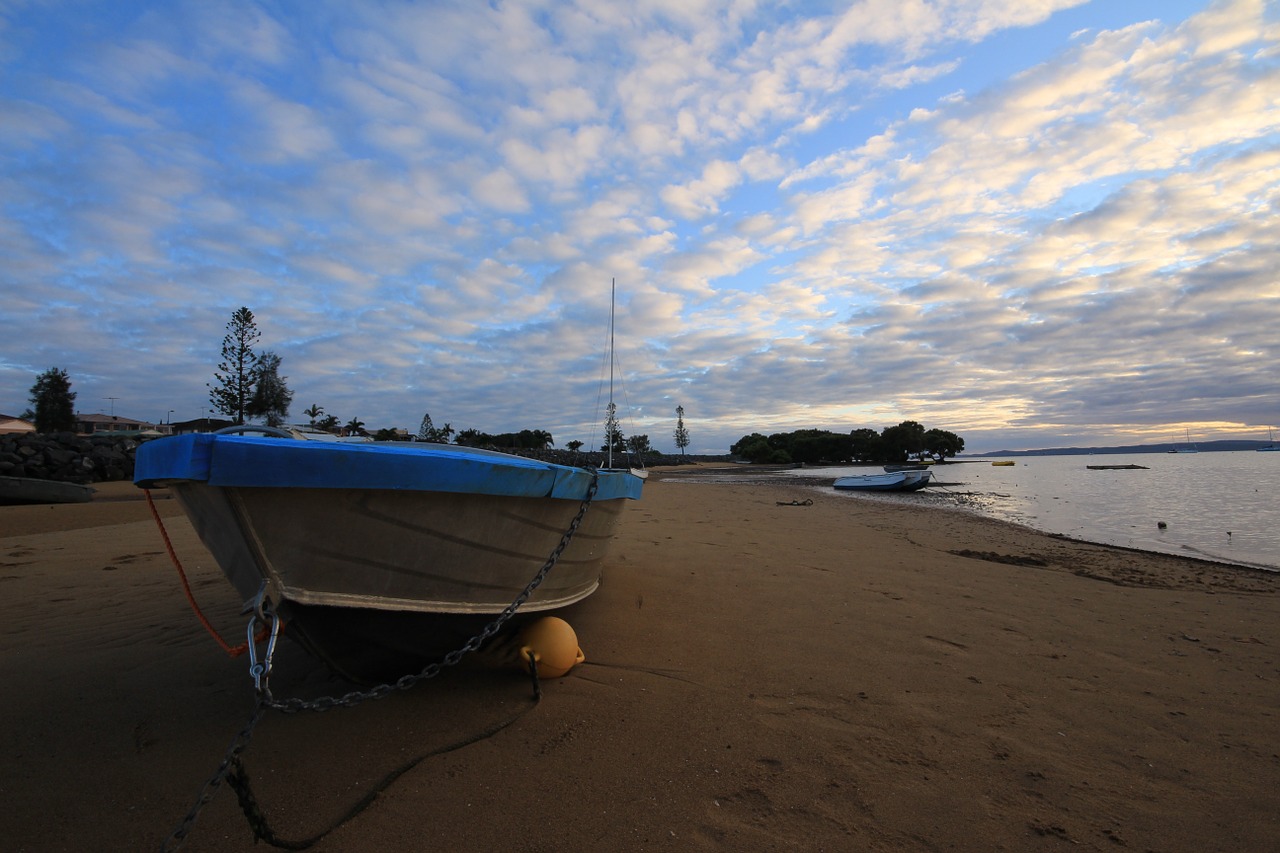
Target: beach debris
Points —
{"points": [[1007, 559], [805, 502], [550, 645]]}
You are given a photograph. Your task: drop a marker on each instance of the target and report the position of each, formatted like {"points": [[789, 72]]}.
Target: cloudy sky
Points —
{"points": [[1030, 222]]}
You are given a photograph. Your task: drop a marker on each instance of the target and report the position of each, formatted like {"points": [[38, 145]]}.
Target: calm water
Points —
{"points": [[1201, 497]]}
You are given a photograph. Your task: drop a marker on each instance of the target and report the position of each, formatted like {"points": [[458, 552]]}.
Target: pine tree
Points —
{"points": [[429, 432], [682, 434], [53, 402], [612, 433], [236, 375]]}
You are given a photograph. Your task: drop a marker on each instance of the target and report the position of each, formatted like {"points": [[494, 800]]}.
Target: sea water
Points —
{"points": [[1216, 506]]}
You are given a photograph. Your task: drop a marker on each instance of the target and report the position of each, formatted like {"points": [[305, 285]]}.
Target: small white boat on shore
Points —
{"points": [[30, 490], [890, 481]]}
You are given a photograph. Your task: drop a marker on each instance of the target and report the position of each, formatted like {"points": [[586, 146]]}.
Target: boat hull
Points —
{"points": [[916, 480], [890, 481], [380, 557], [28, 490], [389, 550]]}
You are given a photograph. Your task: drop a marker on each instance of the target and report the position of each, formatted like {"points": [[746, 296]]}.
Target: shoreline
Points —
{"points": [[764, 471], [837, 675]]}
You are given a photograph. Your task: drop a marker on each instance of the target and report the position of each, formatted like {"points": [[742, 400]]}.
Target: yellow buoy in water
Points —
{"points": [[552, 644]]}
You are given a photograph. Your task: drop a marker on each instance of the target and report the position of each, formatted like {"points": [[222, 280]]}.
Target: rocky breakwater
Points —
{"points": [[67, 457]]}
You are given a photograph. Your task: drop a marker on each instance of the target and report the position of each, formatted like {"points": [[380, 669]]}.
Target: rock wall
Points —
{"points": [[68, 457]]}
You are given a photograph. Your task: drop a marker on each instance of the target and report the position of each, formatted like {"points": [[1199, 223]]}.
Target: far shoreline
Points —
{"points": [[732, 472]]}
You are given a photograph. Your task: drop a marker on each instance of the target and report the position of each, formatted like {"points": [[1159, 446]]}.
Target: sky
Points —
{"points": [[1033, 223]]}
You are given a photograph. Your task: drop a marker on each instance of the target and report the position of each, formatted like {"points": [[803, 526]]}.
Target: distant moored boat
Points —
{"points": [[1190, 448]]}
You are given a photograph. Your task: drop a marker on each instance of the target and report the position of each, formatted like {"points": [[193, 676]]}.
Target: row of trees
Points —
{"points": [[332, 423], [525, 439], [908, 440], [249, 385]]}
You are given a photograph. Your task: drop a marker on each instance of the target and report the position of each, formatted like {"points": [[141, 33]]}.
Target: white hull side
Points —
{"points": [[424, 552]]}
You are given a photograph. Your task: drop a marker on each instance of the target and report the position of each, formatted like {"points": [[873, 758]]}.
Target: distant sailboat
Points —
{"points": [[1190, 448], [1272, 445]]}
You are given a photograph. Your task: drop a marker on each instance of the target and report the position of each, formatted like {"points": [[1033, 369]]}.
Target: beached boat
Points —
{"points": [[916, 480], [890, 481], [30, 490], [1007, 463], [388, 550]]}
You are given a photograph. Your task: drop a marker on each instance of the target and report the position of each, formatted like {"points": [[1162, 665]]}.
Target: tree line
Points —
{"points": [[249, 385], [896, 444], [525, 439]]}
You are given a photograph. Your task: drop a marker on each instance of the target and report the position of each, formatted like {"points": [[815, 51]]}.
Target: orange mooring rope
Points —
{"points": [[233, 651]]}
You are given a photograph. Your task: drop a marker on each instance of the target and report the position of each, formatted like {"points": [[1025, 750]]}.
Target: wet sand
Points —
{"points": [[846, 675]]}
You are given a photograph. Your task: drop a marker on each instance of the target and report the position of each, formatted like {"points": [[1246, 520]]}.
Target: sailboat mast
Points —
{"points": [[613, 289]]}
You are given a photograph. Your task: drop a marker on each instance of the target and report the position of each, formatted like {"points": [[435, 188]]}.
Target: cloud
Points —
{"points": [[701, 197], [564, 157], [500, 190], [286, 130], [425, 206]]}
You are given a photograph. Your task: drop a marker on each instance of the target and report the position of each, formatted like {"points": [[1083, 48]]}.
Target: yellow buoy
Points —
{"points": [[552, 644]]}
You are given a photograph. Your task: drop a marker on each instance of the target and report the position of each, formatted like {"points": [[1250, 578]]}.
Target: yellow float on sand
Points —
{"points": [[552, 645]]}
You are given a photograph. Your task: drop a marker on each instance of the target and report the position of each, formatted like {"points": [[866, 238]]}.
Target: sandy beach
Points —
{"points": [[846, 675]]}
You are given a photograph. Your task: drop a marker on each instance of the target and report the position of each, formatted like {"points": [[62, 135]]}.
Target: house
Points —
{"points": [[99, 424], [9, 425]]}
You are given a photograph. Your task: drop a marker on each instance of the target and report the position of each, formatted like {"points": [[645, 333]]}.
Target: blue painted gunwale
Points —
{"points": [[241, 461]]}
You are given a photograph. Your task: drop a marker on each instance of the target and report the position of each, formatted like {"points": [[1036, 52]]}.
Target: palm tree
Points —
{"points": [[355, 426], [314, 413]]}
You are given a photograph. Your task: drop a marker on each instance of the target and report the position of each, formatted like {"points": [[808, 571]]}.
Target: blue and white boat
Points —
{"points": [[395, 546], [890, 481]]}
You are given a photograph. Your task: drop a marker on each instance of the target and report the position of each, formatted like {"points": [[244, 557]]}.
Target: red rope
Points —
{"points": [[233, 651]]}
